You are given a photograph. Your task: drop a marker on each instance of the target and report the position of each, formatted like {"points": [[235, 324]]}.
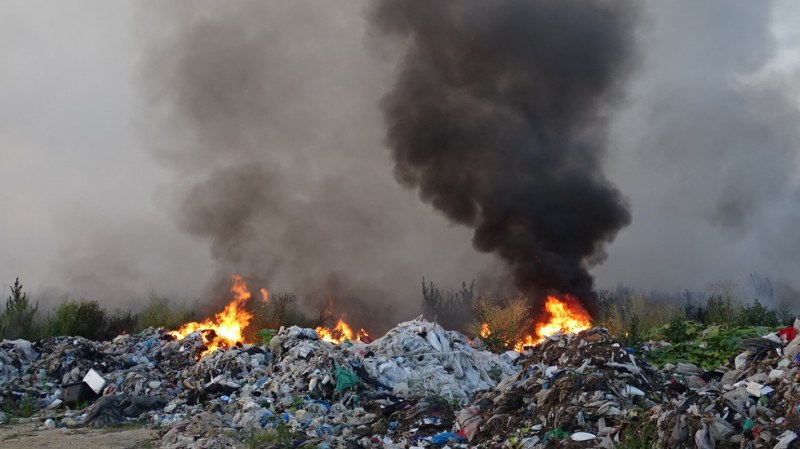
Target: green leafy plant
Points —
{"points": [[678, 330], [266, 335], [713, 348]]}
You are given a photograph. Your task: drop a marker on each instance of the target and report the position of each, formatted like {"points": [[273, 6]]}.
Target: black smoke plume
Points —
{"points": [[499, 117], [266, 116]]}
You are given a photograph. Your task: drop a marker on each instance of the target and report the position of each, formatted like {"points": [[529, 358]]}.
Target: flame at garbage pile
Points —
{"points": [[341, 332], [226, 328], [564, 314]]}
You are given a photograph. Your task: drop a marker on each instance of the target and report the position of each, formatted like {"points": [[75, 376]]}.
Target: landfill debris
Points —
{"points": [[417, 386]]}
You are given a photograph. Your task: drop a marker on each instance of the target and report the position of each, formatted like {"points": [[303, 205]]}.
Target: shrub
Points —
{"points": [[281, 309], [507, 322], [756, 314], [678, 330], [722, 305], [629, 315], [160, 312], [78, 318], [17, 319], [120, 322]]}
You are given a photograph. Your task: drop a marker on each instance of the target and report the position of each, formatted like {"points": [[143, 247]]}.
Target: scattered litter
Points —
{"points": [[417, 386]]}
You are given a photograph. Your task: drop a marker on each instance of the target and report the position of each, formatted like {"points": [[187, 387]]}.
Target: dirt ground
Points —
{"points": [[25, 436]]}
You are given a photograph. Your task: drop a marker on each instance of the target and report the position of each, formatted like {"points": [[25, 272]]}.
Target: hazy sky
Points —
{"points": [[705, 150]]}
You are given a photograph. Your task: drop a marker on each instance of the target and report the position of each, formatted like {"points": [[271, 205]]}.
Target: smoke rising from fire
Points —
{"points": [[499, 118], [267, 114], [286, 94]]}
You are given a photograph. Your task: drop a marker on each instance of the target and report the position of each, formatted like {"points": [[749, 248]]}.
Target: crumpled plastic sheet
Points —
{"points": [[420, 357]]}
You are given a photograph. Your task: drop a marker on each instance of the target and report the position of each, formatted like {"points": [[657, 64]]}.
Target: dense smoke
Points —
{"points": [[267, 115], [499, 117], [707, 152]]}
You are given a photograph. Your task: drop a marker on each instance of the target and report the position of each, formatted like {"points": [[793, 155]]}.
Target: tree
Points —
{"points": [[17, 319], [451, 309]]}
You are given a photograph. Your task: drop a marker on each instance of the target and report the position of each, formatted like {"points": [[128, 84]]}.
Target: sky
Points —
{"points": [[101, 143]]}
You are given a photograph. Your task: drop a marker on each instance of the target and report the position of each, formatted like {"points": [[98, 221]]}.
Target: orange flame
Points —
{"points": [[225, 329], [340, 333], [485, 331], [566, 315]]}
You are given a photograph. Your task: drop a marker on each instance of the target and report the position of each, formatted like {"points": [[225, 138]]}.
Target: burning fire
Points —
{"points": [[340, 333], [225, 329], [565, 315], [485, 331]]}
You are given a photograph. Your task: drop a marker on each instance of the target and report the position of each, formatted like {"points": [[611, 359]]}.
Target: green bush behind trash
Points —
{"points": [[22, 318], [16, 321], [714, 347]]}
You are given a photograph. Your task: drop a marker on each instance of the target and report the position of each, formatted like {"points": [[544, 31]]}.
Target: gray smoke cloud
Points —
{"points": [[267, 114], [499, 118], [707, 152]]}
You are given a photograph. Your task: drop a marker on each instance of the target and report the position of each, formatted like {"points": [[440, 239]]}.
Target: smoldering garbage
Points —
{"points": [[417, 386]]}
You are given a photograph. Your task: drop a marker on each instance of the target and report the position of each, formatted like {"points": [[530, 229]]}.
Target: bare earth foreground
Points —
{"points": [[25, 436]]}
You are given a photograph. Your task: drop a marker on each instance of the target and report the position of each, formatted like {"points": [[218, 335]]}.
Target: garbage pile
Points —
{"points": [[419, 385], [400, 387], [418, 357], [572, 391], [755, 403]]}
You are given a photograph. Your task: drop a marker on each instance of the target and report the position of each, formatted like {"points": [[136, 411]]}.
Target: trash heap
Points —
{"points": [[755, 403], [398, 389], [419, 357], [395, 390], [572, 391], [419, 385]]}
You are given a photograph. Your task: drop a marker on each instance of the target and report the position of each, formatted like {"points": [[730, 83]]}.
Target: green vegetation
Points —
{"points": [[629, 315], [266, 335], [639, 435], [280, 436], [507, 322], [281, 309], [705, 330], [160, 312], [16, 321], [77, 318], [17, 408], [714, 347], [88, 318]]}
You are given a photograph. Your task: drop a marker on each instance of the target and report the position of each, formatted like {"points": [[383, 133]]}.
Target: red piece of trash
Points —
{"points": [[789, 333]]}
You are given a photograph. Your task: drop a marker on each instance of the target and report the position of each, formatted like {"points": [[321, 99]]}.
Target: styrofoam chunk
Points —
{"points": [[95, 381]]}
